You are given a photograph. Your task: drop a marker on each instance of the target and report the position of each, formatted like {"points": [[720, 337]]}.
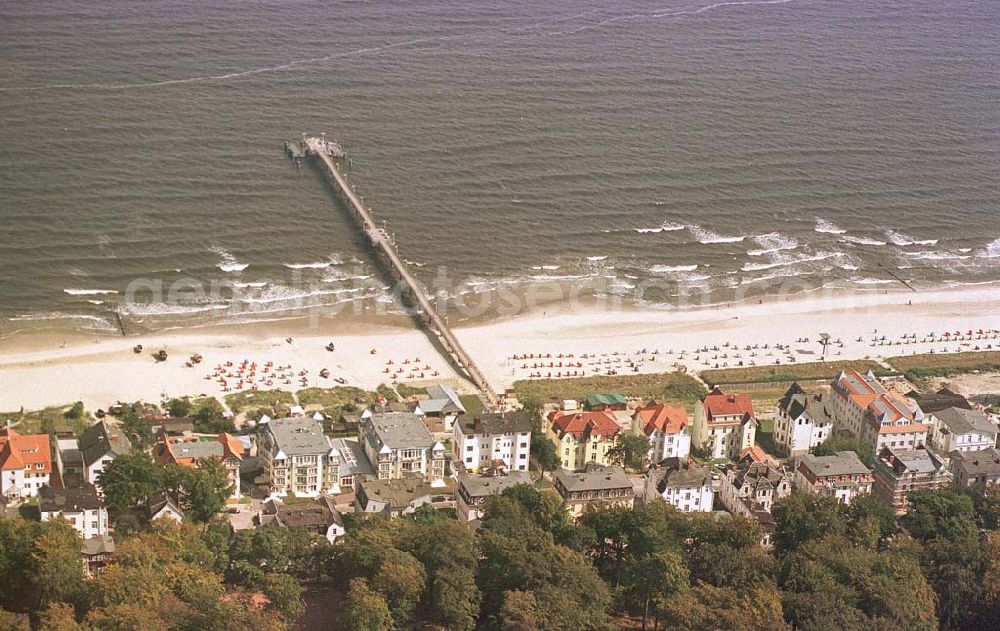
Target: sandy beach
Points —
{"points": [[625, 340]]}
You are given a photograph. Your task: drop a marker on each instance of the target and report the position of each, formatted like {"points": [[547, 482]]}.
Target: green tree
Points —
{"points": [[59, 617], [545, 453], [872, 509], [55, 569], [205, 489], [401, 580], [365, 609], [136, 427], [129, 481], [13, 622], [804, 517], [946, 513], [179, 408], [708, 607], [839, 442], [210, 418], [651, 580], [76, 411], [630, 451], [284, 595]]}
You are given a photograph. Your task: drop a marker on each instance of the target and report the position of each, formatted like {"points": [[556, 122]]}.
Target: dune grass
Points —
{"points": [[667, 387], [789, 372], [946, 364]]}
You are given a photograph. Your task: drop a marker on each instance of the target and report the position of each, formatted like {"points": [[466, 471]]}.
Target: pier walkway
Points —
{"points": [[324, 154]]}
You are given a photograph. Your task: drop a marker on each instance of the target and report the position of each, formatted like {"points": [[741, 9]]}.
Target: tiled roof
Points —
{"points": [[18, 451], [100, 439], [842, 463], [594, 478], [584, 424], [962, 421], [299, 435], [718, 403], [668, 419]]}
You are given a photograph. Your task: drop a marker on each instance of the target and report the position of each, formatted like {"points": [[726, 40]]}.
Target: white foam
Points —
{"points": [[228, 262], [316, 265], [861, 240], [849, 267], [596, 258], [90, 292], [96, 302], [822, 225], [256, 285], [872, 281], [549, 268], [771, 243], [903, 240], [789, 261], [991, 251], [708, 237], [159, 308], [670, 269], [938, 256]]}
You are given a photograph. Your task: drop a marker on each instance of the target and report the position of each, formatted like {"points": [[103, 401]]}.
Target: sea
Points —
{"points": [[648, 150]]}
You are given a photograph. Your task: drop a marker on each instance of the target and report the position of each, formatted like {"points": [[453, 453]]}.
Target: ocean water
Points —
{"points": [[698, 146]]}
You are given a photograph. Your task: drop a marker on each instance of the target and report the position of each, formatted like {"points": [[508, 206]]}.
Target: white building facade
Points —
{"points": [[487, 438]]}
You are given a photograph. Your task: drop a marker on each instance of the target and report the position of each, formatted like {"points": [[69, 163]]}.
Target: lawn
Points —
{"points": [[667, 387], [242, 401], [338, 400], [946, 364], [47, 421], [472, 404], [789, 372]]}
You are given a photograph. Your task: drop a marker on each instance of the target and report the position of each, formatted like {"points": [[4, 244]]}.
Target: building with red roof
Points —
{"points": [[668, 429], [187, 452], [870, 411], [25, 463], [724, 424], [583, 437]]}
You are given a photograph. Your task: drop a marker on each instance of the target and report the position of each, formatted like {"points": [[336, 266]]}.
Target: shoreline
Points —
{"points": [[99, 372]]}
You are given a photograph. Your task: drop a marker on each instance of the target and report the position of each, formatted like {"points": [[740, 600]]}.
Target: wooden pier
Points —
{"points": [[324, 155]]}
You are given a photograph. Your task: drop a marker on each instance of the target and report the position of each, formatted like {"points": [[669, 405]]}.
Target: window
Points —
{"points": [[411, 454], [469, 448]]}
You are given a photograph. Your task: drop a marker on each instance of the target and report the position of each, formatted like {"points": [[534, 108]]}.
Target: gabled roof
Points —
{"points": [[187, 452], [441, 399], [813, 405], [757, 474], [786, 399], [581, 425], [596, 400], [101, 439], [18, 451], [668, 419], [718, 404], [161, 502], [962, 421], [319, 513], [976, 463], [931, 402]]}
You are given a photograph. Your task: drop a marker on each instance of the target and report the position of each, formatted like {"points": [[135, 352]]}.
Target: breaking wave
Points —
{"points": [[902, 240], [822, 225], [708, 237]]}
